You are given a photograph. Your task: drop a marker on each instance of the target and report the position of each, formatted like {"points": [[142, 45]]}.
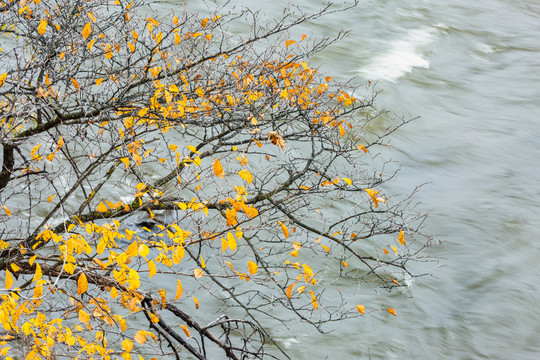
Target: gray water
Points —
{"points": [[471, 71]]}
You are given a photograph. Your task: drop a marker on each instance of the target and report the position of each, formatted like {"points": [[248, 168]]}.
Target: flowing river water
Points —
{"points": [[471, 71]]}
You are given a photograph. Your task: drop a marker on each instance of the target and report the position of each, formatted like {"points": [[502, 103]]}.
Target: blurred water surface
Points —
{"points": [[471, 71]]}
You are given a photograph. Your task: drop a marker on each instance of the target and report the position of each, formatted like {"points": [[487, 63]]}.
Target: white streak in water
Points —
{"points": [[401, 57]]}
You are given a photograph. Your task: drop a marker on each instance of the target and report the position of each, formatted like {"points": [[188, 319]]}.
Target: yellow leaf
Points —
{"points": [[252, 267], [82, 284], [231, 241], [361, 308], [133, 249], [92, 17], [3, 79], [179, 290], [140, 337], [196, 302], [90, 45], [345, 263], [208, 36], [35, 149], [87, 29], [348, 181], [203, 22], [284, 229], [127, 345], [362, 147], [246, 175], [341, 131], [218, 169], [392, 311], [131, 47], [394, 248], [42, 26], [289, 290], [83, 316], [314, 300], [60, 143], [9, 279], [144, 250], [125, 160], [8, 212], [198, 273], [38, 274], [289, 43], [325, 248], [152, 268], [186, 330], [99, 81], [224, 244], [401, 238], [101, 207], [300, 289], [203, 264], [230, 265], [75, 84]]}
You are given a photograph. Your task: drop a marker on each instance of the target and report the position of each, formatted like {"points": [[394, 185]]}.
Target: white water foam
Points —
{"points": [[402, 56]]}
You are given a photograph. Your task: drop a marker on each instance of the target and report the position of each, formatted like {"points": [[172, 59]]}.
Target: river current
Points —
{"points": [[471, 71]]}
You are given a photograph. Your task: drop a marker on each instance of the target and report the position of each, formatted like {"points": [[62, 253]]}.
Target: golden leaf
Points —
{"points": [[101, 207], [196, 302], [8, 212], [289, 43], [198, 273], [284, 229], [92, 17], [361, 308], [392, 311], [218, 169], [208, 36], [401, 238], [3, 79], [341, 131], [82, 284], [87, 29], [9, 279], [42, 26], [133, 249], [186, 330], [362, 147], [131, 47], [203, 22], [246, 175], [348, 181], [314, 300], [179, 290], [75, 84], [125, 160], [395, 250], [140, 337], [252, 267], [38, 274], [83, 316], [99, 81], [60, 143], [127, 345], [289, 290], [152, 268], [231, 241]]}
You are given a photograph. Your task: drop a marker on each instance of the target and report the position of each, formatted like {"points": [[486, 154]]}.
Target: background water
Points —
{"points": [[471, 71]]}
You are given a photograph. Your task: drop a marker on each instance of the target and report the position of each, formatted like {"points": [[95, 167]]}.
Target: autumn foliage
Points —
{"points": [[167, 189]]}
